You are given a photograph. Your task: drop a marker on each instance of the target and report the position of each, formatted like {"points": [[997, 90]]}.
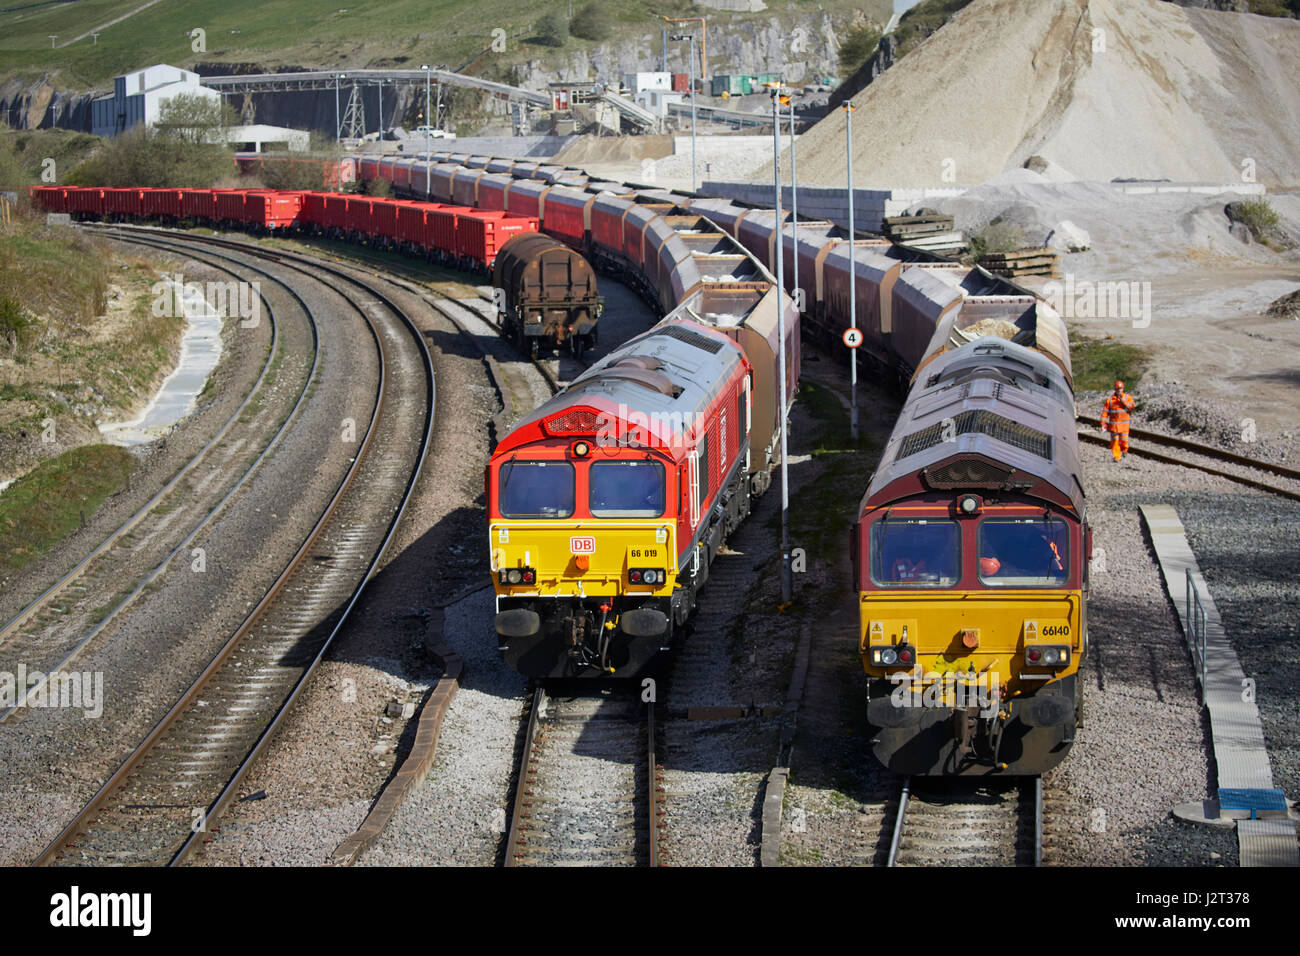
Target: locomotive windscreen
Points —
{"points": [[1024, 552], [915, 553], [626, 489], [536, 489]]}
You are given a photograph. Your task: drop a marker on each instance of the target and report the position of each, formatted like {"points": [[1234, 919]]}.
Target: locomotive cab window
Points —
{"points": [[536, 489], [1024, 552], [919, 553], [626, 489]]}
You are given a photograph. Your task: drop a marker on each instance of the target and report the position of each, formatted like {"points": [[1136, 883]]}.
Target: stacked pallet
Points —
{"points": [[1024, 262], [932, 232]]}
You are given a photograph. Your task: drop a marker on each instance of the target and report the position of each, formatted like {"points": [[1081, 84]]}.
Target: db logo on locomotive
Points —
{"points": [[584, 544]]}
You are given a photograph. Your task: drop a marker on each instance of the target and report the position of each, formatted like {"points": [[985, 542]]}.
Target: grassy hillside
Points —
{"points": [[365, 33]]}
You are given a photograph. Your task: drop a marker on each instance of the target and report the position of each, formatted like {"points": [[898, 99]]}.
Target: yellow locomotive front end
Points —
{"points": [[972, 633], [583, 559]]}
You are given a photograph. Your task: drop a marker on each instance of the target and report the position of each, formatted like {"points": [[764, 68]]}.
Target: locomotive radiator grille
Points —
{"points": [[981, 422]]}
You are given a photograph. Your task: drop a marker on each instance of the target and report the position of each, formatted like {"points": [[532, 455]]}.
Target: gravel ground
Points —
{"points": [[174, 630], [1144, 744], [316, 796]]}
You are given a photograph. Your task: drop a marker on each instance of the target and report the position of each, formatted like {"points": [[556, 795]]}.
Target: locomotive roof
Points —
{"points": [[991, 400], [671, 374]]}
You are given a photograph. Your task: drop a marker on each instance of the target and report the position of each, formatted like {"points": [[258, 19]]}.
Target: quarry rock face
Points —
{"points": [[803, 47], [40, 106]]}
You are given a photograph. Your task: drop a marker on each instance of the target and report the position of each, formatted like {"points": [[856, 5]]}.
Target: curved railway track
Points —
{"points": [[157, 806], [1139, 436], [59, 624], [588, 790], [968, 823]]}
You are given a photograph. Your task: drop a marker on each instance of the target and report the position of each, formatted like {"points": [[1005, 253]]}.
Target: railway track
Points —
{"points": [[1216, 455], [968, 823], [588, 790], [60, 624], [159, 804], [558, 369]]}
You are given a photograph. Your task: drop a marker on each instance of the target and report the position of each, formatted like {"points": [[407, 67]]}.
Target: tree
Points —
{"points": [[592, 22], [552, 29], [148, 157], [195, 119]]}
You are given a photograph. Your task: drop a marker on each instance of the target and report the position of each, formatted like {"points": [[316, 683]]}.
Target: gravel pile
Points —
{"points": [[1131, 89]]}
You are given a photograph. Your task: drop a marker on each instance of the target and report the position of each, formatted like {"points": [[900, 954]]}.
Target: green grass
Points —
{"points": [[371, 33], [827, 505], [23, 154], [1099, 363], [44, 506]]}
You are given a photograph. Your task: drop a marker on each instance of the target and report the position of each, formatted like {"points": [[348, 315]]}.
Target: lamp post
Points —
{"points": [[428, 148], [853, 299], [786, 584], [691, 74], [794, 209], [338, 121]]}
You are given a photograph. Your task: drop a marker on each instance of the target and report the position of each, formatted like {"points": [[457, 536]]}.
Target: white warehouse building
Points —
{"points": [[138, 98]]}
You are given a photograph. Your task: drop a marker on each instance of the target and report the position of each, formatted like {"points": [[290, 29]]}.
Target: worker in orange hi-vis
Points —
{"points": [[1114, 419]]}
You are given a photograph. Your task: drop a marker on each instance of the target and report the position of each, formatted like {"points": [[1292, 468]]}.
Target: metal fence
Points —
{"points": [[1195, 625]]}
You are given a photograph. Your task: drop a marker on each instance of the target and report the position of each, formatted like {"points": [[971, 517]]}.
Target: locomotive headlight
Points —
{"points": [[969, 504], [900, 655], [581, 449], [1048, 655], [514, 576]]}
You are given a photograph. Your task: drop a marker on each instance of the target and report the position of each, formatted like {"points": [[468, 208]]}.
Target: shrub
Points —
{"points": [[996, 237], [15, 323], [592, 22], [858, 47], [552, 30], [1256, 215]]}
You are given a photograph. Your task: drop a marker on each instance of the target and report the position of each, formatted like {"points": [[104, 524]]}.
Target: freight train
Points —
{"points": [[608, 504], [546, 293], [970, 548], [455, 235], [969, 553]]}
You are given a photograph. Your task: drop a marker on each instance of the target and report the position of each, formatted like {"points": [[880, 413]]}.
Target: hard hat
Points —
{"points": [[1119, 386], [990, 566]]}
